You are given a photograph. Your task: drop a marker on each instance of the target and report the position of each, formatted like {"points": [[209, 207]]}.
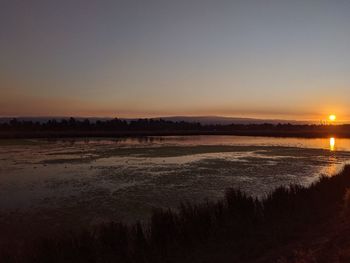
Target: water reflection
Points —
{"points": [[332, 144], [113, 174]]}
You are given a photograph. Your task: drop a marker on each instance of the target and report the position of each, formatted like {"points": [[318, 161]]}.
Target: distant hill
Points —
{"points": [[200, 119], [228, 120]]}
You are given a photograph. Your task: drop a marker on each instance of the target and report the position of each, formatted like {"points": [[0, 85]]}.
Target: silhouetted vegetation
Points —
{"points": [[117, 127], [238, 228]]}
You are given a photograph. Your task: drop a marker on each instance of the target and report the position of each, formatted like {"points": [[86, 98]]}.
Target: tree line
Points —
{"points": [[138, 125], [72, 127]]}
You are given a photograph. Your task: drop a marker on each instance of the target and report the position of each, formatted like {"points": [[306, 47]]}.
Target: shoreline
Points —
{"points": [[137, 134]]}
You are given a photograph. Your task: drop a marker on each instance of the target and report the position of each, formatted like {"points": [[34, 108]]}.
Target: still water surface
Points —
{"points": [[88, 181]]}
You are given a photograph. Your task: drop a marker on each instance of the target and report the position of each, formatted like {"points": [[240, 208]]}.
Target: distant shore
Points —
{"points": [[73, 128], [116, 134]]}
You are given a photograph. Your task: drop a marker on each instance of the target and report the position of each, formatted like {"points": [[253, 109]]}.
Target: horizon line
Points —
{"points": [[320, 121]]}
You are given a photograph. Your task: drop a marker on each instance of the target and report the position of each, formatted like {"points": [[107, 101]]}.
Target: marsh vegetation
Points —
{"points": [[237, 228]]}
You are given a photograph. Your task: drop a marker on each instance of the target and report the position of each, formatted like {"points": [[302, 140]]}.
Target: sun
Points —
{"points": [[332, 117]]}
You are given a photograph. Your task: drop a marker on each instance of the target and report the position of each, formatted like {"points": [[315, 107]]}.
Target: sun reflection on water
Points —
{"points": [[332, 143]]}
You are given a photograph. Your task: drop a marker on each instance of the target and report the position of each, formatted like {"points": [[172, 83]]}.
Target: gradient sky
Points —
{"points": [[270, 59]]}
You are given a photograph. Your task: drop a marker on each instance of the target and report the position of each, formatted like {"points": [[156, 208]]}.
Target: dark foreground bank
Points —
{"points": [[294, 224], [69, 128]]}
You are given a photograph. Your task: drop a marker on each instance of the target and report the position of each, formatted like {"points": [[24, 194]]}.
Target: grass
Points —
{"points": [[237, 228]]}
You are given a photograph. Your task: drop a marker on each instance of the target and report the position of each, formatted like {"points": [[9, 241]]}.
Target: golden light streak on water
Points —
{"points": [[332, 143]]}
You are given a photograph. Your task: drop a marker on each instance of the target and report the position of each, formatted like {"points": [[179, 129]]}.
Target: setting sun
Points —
{"points": [[332, 117]]}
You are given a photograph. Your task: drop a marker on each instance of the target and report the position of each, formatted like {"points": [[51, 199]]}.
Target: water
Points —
{"points": [[61, 183]]}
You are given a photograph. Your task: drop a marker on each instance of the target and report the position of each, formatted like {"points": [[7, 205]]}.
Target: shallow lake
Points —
{"points": [[57, 182]]}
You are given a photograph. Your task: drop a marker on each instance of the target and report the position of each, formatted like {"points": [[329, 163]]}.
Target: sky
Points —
{"points": [[150, 58]]}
